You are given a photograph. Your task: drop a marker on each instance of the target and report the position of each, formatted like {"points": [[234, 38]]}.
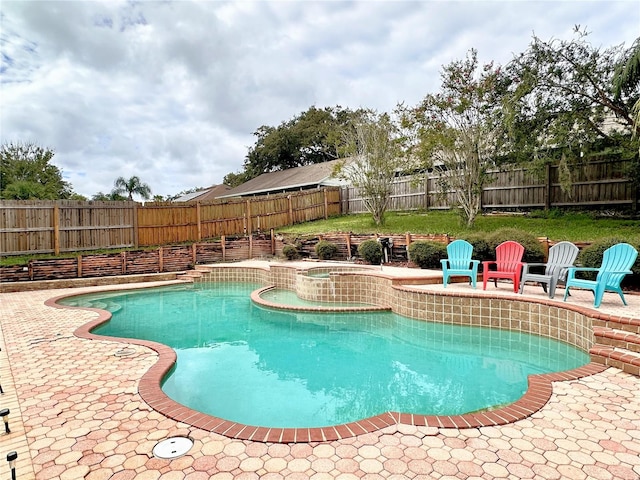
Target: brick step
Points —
{"points": [[617, 338], [626, 360], [630, 325]]}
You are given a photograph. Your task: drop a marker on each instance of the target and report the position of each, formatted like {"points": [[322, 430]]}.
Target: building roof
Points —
{"points": [[210, 193], [308, 176]]}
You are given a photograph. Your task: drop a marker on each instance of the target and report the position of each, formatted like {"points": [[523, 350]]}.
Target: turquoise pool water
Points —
{"points": [[252, 365]]}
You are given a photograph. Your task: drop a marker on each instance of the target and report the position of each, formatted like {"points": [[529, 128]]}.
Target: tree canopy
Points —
{"points": [[311, 137], [131, 186], [564, 99], [26, 172], [457, 131], [374, 154]]}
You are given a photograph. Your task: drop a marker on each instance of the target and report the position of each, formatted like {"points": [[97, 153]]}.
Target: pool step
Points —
{"points": [[617, 344]]}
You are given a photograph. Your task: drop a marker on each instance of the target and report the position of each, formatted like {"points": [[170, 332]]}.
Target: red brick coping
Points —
{"points": [[536, 396]]}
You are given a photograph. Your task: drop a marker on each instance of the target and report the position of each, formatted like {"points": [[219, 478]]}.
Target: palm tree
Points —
{"points": [[131, 186]]}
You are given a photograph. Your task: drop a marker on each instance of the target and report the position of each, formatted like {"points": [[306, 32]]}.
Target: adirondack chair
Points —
{"points": [[616, 263], [508, 265], [561, 257], [459, 262]]}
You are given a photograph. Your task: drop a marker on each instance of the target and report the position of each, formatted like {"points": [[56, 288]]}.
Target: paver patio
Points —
{"points": [[76, 413]]}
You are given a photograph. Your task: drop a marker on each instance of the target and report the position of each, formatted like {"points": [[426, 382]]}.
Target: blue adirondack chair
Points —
{"points": [[459, 262], [616, 263]]}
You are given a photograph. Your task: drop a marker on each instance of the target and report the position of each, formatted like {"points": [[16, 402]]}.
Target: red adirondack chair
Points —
{"points": [[508, 264]]}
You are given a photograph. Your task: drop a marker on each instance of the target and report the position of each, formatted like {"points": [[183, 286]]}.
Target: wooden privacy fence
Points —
{"points": [[36, 226], [160, 224], [597, 183]]}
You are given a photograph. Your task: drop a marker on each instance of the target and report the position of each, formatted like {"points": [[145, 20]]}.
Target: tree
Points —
{"points": [[627, 79], [563, 96], [458, 133], [132, 186], [373, 147], [311, 137], [26, 173], [235, 179], [108, 197]]}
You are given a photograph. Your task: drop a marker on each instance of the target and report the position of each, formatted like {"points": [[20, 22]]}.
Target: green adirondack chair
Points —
{"points": [[616, 263], [459, 262]]}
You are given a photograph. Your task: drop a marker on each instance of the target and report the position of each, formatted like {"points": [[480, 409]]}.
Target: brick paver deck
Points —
{"points": [[76, 413]]}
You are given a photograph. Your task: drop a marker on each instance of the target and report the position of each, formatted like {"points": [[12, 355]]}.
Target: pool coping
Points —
{"points": [[537, 395]]}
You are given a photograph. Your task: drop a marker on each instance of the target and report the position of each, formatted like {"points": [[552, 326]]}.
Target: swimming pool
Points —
{"points": [[257, 366]]}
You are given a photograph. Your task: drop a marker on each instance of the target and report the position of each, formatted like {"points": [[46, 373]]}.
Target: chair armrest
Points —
{"points": [[445, 263], [486, 263], [572, 271]]}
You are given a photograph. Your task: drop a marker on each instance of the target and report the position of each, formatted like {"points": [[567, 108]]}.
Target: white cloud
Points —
{"points": [[172, 91]]}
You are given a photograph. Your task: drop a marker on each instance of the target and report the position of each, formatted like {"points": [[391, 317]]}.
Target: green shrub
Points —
{"points": [[325, 249], [591, 257], [533, 252], [427, 254], [370, 251], [290, 252], [481, 249]]}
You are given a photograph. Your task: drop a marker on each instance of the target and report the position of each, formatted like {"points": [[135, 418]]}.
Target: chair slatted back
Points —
{"points": [[459, 254], [561, 255], [617, 258], [508, 256]]}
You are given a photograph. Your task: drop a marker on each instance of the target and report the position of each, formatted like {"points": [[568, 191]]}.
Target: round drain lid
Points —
{"points": [[173, 447]]}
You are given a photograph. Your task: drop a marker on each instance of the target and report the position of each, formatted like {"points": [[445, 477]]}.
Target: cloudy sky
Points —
{"points": [[173, 91]]}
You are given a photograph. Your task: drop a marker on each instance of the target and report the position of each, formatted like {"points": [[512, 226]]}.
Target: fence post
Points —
{"points": [[194, 253], [547, 199], [123, 256], [249, 218], [348, 245], [160, 260], [56, 229], [290, 210], [326, 204], [135, 225], [79, 266], [273, 242], [250, 247], [224, 252], [426, 191], [199, 223]]}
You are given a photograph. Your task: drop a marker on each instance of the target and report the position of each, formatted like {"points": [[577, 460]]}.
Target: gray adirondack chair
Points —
{"points": [[561, 257]]}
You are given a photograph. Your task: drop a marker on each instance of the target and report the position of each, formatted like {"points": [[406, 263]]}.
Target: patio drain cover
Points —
{"points": [[173, 447]]}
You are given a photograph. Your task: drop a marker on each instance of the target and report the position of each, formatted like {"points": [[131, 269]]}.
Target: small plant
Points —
{"points": [[370, 251], [533, 252], [326, 250], [290, 252], [427, 254]]}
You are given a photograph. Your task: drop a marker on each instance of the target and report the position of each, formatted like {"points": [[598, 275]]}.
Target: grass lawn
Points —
{"points": [[575, 227]]}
